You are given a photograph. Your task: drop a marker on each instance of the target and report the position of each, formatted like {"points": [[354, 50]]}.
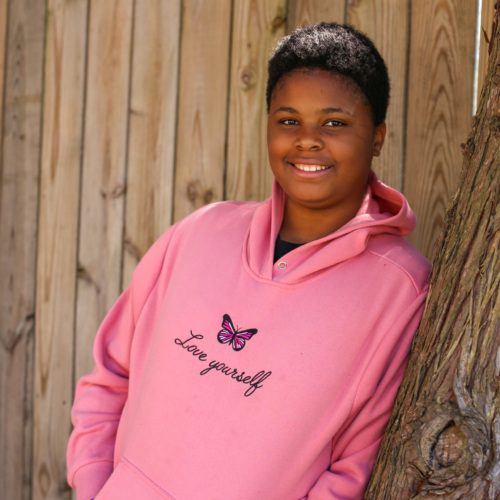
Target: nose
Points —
{"points": [[309, 140]]}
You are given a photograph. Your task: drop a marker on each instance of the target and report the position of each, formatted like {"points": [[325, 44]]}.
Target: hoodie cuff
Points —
{"points": [[90, 479]]}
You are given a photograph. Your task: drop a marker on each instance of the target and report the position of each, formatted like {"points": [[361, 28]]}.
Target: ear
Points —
{"points": [[378, 138]]}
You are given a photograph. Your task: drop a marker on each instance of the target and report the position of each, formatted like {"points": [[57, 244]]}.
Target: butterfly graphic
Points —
{"points": [[230, 335]]}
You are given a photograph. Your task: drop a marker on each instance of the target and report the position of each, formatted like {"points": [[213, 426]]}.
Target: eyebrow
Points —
{"points": [[285, 109], [324, 111]]}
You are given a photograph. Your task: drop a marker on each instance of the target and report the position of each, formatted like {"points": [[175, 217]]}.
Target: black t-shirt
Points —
{"points": [[283, 247]]}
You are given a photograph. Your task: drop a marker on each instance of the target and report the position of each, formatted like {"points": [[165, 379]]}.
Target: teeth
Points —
{"points": [[310, 168]]}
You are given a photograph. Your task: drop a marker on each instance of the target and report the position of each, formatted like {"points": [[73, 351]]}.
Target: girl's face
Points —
{"points": [[321, 141]]}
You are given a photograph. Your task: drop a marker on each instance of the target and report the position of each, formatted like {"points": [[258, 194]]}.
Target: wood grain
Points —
{"points": [[256, 27], [193, 137], [442, 439], [150, 177], [302, 12], [387, 24], [66, 31], [3, 52], [487, 14], [103, 175], [439, 109], [201, 125], [20, 141]]}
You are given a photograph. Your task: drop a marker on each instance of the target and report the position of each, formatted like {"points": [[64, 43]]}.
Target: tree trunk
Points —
{"points": [[443, 439]]}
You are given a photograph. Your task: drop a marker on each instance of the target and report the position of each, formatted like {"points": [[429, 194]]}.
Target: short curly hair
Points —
{"points": [[342, 51]]}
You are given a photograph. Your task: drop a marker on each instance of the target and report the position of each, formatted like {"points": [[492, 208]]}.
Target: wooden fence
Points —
{"points": [[121, 116]]}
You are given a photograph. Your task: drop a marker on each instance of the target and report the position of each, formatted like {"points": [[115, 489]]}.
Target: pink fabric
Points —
{"points": [[99, 472], [189, 402]]}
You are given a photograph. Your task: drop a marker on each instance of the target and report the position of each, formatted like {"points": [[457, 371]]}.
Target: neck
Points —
{"points": [[302, 225]]}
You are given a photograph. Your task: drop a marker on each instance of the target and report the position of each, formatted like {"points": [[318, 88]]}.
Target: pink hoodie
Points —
{"points": [[220, 375]]}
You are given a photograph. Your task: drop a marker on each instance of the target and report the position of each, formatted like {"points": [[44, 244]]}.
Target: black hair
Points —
{"points": [[342, 51]]}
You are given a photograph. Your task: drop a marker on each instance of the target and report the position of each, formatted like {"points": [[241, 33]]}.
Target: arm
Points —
{"points": [[101, 395], [99, 400], [354, 449]]}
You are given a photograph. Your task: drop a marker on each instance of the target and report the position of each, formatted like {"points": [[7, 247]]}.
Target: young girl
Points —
{"points": [[258, 351]]}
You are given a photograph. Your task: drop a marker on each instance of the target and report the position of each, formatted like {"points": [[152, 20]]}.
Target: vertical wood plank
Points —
{"points": [[386, 22], [3, 51], [66, 31], [257, 24], [152, 127], [487, 14], [20, 139], [302, 12], [440, 93], [103, 175], [201, 136], [439, 109]]}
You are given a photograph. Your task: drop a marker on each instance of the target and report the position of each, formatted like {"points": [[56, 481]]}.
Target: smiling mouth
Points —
{"points": [[310, 168]]}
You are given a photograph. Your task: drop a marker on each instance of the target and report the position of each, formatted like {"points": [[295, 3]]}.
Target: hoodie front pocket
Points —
{"points": [[129, 483]]}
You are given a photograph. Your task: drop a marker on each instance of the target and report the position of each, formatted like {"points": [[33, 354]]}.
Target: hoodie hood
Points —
{"points": [[383, 211]]}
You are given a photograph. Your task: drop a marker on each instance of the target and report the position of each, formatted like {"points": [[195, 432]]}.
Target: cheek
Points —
{"points": [[356, 149], [271, 137], [275, 158], [274, 145]]}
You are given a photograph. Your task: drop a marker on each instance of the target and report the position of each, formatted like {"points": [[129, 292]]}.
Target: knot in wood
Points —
{"points": [[248, 78], [450, 445], [452, 450], [192, 191], [11, 337], [116, 192], [278, 21], [208, 196], [44, 479]]}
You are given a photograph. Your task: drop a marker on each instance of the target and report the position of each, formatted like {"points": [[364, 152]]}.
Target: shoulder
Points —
{"points": [[191, 234], [402, 258], [208, 219], [215, 219], [222, 210]]}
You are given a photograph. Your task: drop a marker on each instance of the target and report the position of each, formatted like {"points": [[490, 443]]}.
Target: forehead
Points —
{"points": [[318, 83]]}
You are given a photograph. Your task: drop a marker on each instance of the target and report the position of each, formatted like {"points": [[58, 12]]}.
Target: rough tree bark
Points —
{"points": [[443, 439]]}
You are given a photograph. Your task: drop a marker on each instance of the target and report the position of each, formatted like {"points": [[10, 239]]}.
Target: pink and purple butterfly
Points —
{"points": [[232, 336]]}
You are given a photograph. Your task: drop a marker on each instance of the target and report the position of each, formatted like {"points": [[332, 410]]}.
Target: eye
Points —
{"points": [[289, 121], [334, 123]]}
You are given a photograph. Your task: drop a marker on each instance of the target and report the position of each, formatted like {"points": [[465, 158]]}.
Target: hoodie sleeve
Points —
{"points": [[101, 395], [355, 448]]}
